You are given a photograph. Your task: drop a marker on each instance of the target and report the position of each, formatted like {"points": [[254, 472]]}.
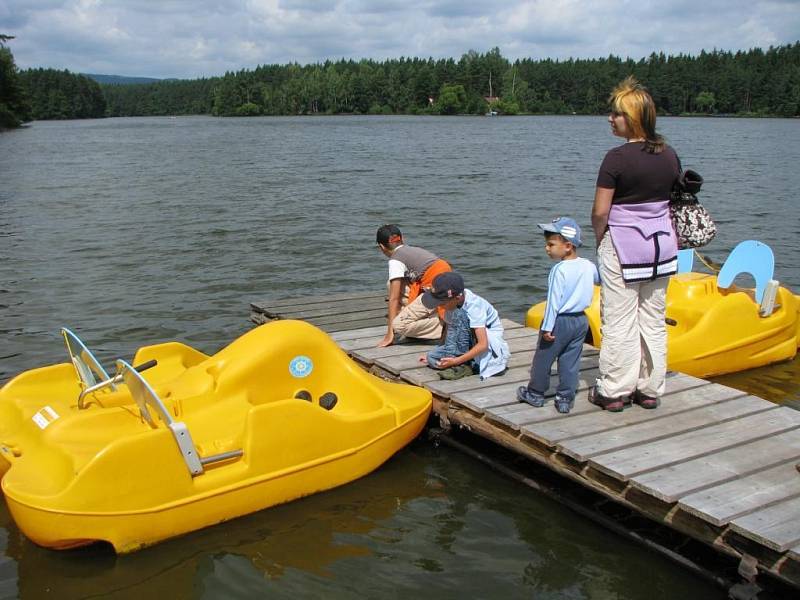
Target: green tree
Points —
{"points": [[15, 105], [705, 102], [452, 100]]}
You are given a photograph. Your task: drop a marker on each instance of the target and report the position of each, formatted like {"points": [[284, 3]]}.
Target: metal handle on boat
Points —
{"points": [[112, 381], [215, 458]]}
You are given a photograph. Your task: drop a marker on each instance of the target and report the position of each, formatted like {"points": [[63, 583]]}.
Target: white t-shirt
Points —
{"points": [[397, 269]]}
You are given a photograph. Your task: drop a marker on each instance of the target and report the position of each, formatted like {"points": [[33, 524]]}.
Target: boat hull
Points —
{"points": [[128, 531]]}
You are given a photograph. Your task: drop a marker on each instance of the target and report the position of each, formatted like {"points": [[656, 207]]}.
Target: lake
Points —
{"points": [[135, 231]]}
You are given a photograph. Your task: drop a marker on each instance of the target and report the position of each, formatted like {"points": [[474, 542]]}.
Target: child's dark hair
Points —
{"points": [[389, 236]]}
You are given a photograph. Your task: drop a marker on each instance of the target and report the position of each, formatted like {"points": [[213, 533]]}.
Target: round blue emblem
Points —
{"points": [[301, 366]]}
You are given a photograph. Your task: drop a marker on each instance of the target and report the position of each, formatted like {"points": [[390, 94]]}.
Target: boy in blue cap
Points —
{"points": [[570, 287]]}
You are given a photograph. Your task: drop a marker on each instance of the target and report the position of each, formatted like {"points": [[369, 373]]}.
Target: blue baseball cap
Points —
{"points": [[566, 228]]}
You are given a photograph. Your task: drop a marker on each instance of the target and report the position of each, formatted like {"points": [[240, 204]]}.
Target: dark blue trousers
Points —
{"points": [[570, 332]]}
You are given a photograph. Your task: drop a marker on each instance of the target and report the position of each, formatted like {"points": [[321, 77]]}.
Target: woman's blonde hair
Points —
{"points": [[631, 100]]}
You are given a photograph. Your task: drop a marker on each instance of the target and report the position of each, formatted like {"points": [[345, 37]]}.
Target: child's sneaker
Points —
{"points": [[525, 395], [456, 372], [563, 405]]}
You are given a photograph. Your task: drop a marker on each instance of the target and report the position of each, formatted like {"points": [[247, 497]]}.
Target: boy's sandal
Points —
{"points": [[609, 404], [643, 400], [525, 395], [563, 405]]}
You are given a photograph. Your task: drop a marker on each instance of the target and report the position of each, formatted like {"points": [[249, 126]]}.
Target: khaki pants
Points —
{"points": [[416, 321], [633, 354]]}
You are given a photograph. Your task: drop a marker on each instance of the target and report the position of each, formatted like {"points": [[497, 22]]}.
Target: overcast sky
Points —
{"points": [[195, 38]]}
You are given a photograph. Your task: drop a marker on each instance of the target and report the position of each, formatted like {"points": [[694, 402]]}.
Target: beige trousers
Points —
{"points": [[414, 320], [633, 354]]}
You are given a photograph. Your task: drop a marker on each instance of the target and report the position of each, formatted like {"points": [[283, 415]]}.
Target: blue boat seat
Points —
{"points": [[752, 257], [685, 260]]}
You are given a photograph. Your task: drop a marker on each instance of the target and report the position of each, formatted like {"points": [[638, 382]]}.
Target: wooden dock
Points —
{"points": [[712, 462]]}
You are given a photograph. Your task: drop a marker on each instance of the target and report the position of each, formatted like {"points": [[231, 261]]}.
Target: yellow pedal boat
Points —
{"points": [[715, 327], [134, 459]]}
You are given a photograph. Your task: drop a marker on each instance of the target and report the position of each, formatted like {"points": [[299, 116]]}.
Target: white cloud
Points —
{"points": [[194, 38]]}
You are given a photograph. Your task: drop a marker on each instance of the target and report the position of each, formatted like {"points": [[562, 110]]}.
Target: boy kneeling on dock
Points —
{"points": [[416, 268], [570, 287], [473, 334]]}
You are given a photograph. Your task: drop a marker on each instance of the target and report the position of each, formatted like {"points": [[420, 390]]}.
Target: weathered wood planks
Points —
{"points": [[334, 313]]}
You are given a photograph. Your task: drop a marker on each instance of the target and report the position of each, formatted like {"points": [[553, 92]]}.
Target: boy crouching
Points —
{"points": [[473, 336]]}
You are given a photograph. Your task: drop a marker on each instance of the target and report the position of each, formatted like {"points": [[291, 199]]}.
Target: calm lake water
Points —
{"points": [[135, 231]]}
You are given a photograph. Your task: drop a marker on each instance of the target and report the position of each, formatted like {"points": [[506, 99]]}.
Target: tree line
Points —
{"points": [[63, 95], [752, 82]]}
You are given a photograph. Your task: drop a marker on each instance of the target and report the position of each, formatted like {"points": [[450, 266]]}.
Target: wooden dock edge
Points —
{"points": [[752, 557], [781, 566]]}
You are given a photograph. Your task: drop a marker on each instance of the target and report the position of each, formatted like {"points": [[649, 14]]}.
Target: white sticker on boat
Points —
{"points": [[301, 366], [44, 417]]}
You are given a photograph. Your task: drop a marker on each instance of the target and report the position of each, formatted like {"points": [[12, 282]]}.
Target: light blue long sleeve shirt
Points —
{"points": [[570, 287]]}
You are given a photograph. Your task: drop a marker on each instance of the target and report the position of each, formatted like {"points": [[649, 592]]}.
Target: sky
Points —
{"points": [[202, 38]]}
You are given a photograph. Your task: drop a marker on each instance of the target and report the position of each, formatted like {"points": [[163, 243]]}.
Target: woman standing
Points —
{"points": [[637, 252]]}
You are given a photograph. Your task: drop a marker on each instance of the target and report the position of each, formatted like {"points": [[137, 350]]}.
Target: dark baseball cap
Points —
{"points": [[446, 286]]}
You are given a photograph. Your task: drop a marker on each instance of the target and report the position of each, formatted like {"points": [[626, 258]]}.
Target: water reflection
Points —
{"points": [[430, 523], [779, 383]]}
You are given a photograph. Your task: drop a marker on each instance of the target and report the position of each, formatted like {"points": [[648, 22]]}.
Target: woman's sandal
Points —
{"points": [[609, 404], [643, 400]]}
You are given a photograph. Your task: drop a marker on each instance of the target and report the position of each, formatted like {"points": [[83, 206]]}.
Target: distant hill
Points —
{"points": [[120, 79]]}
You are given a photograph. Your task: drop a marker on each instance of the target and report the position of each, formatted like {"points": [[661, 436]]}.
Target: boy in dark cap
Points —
{"points": [[467, 316]]}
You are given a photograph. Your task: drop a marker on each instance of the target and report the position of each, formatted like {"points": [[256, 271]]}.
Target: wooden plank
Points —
{"points": [[349, 317], [375, 331], [794, 553], [776, 527], [371, 354], [630, 462], [328, 309], [327, 324], [653, 429], [363, 343], [313, 299], [334, 327], [519, 416], [482, 399], [516, 415], [397, 364], [421, 375], [674, 482], [723, 503], [576, 424]]}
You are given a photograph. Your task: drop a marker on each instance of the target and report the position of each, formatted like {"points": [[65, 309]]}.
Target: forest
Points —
{"points": [[755, 82], [63, 95]]}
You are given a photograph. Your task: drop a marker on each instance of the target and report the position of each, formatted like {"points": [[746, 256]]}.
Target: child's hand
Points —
{"points": [[548, 337], [447, 361], [423, 358], [387, 340]]}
